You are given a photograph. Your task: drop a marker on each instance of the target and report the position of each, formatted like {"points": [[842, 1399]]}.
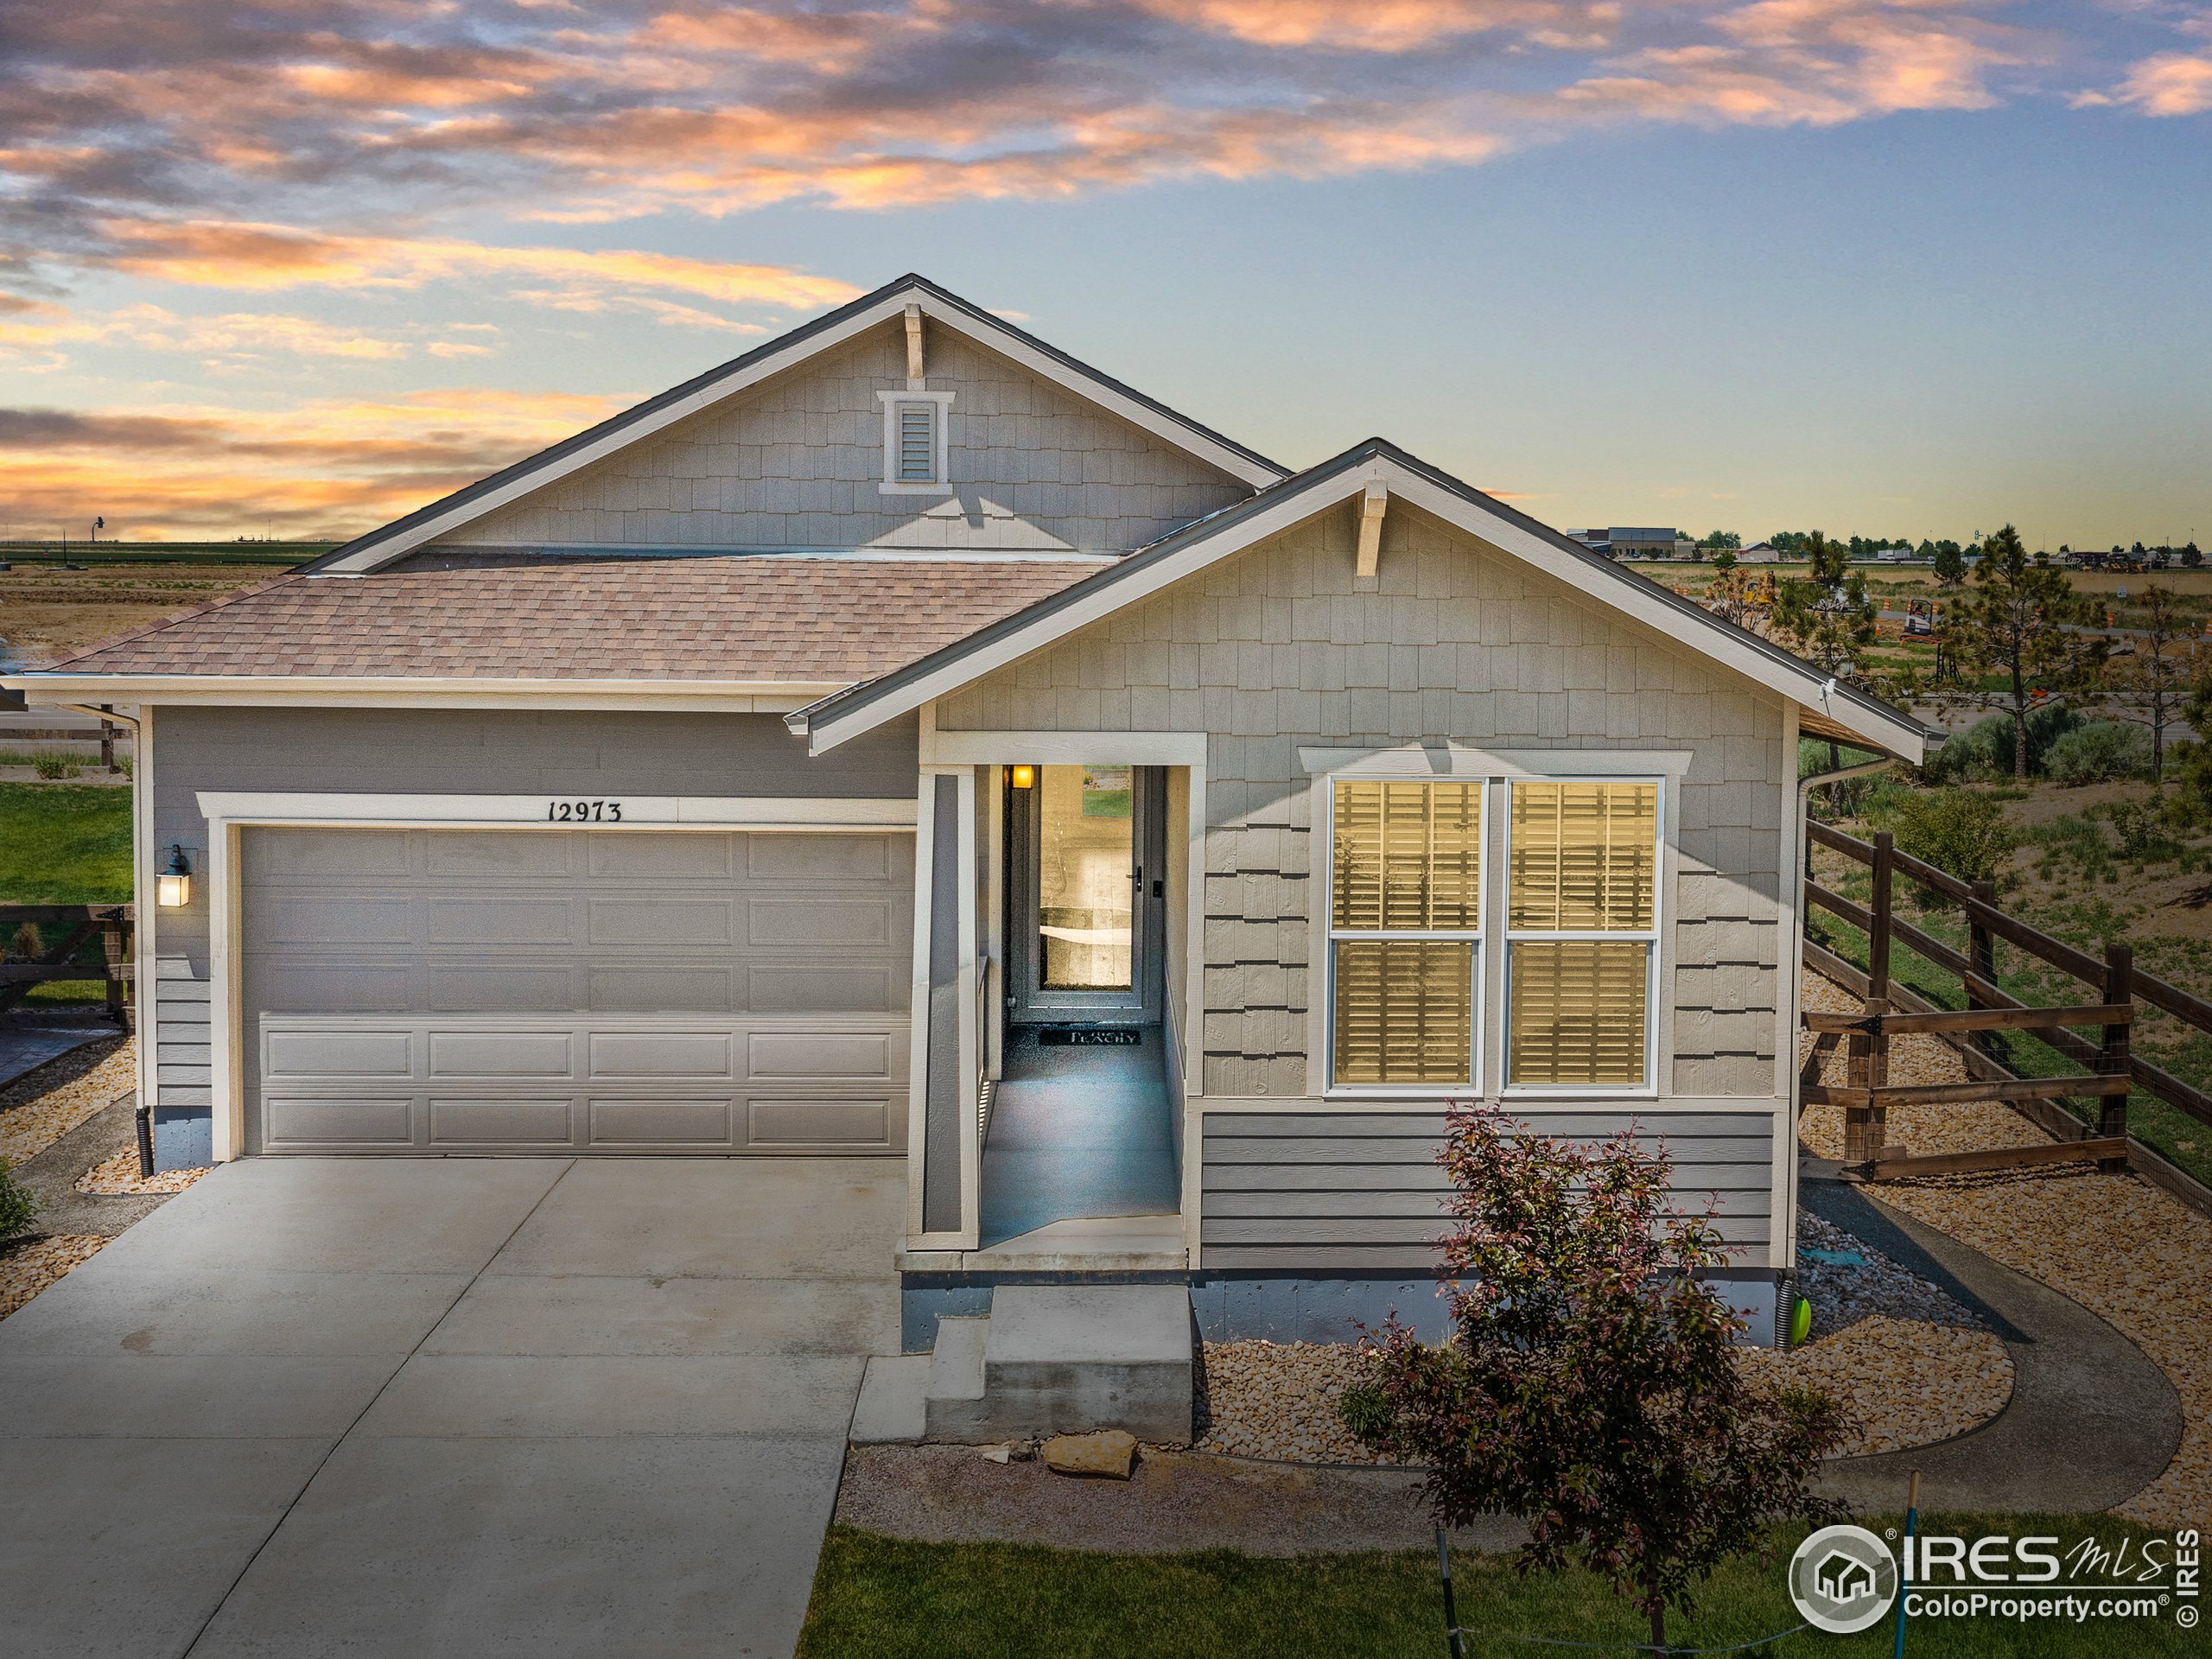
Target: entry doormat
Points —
{"points": [[1090, 1036]]}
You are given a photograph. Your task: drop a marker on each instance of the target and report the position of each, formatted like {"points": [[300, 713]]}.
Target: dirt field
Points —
{"points": [[47, 612]]}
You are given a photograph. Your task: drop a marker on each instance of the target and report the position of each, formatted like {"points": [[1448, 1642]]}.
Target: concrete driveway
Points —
{"points": [[446, 1407]]}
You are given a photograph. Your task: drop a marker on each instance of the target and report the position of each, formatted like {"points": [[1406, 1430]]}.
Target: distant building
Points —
{"points": [[1621, 542], [1759, 553]]}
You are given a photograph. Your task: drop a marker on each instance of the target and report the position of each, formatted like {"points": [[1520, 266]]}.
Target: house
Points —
{"points": [[1621, 542], [1844, 1579], [1759, 553], [906, 741]]}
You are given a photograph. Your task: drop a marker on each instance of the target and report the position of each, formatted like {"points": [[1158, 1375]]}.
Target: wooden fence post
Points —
{"points": [[1872, 1124], [1982, 951], [107, 746], [2112, 1057], [115, 948]]}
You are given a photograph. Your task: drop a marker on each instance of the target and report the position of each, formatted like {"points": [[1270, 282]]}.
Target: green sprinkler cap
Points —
{"points": [[1801, 1320]]}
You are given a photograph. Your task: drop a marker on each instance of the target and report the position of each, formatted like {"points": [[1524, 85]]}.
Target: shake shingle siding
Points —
{"points": [[1276, 650], [798, 463]]}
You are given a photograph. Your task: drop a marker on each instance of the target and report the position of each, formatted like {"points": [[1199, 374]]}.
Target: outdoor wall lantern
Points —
{"points": [[1025, 777], [173, 887]]}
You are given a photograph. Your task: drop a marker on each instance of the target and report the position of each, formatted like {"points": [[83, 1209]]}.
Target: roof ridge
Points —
{"points": [[518, 471]]}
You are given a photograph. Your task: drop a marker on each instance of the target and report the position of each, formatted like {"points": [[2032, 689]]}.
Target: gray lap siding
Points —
{"points": [[450, 752], [1362, 1191]]}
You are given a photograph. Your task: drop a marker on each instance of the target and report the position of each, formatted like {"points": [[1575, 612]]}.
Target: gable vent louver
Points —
{"points": [[918, 443]]}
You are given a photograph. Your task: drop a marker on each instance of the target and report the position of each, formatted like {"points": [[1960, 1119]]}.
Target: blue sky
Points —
{"points": [[1889, 266]]}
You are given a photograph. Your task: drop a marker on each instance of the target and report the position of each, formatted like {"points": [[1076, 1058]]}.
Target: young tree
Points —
{"points": [[1950, 564], [2152, 674], [1587, 1387], [1728, 595], [1825, 615], [2021, 620]]}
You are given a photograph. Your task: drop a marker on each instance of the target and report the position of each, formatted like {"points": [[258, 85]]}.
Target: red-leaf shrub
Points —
{"points": [[1587, 1386]]}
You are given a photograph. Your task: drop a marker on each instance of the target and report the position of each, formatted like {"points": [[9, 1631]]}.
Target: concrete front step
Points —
{"points": [[1055, 1359], [894, 1408]]}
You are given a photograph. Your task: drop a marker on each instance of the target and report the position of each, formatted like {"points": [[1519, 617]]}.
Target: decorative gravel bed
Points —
{"points": [[1908, 1364], [1846, 1280], [118, 1178], [29, 1265], [35, 1110], [1905, 1382], [1278, 1400], [2131, 1253]]}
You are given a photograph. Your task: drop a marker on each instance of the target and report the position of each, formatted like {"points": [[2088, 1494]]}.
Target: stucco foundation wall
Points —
{"points": [[1276, 648], [797, 463], [451, 752]]}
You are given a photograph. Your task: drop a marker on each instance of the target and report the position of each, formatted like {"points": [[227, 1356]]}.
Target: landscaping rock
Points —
{"points": [[1109, 1451]]}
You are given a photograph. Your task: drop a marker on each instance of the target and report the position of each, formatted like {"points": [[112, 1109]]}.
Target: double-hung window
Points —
{"points": [[1405, 932], [1408, 904], [1582, 934]]}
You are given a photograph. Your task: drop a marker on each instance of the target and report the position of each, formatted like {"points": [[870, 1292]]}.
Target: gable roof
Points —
{"points": [[719, 619], [826, 333], [847, 713]]}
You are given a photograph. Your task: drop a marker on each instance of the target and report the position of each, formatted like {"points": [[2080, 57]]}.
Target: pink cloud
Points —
{"points": [[2170, 84]]}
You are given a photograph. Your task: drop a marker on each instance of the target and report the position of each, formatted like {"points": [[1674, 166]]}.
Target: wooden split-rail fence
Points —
{"points": [[76, 926], [2108, 1066]]}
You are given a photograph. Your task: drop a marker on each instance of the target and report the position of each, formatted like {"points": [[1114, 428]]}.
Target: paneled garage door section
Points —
{"points": [[431, 991]]}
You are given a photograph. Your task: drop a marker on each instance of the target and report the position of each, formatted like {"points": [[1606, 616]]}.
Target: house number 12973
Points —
{"points": [[584, 812]]}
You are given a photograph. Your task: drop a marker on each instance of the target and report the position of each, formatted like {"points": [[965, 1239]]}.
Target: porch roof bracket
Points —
{"points": [[1373, 502]]}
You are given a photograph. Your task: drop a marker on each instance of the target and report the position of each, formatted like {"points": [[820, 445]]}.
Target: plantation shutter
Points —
{"points": [[1577, 1013], [1407, 860], [1585, 856], [1584, 861], [1409, 857]]}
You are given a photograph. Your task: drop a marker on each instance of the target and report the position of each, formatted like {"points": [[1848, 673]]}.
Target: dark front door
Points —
{"points": [[1086, 863]]}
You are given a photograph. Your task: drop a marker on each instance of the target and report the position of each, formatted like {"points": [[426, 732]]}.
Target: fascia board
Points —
{"points": [[827, 732], [371, 691], [893, 304], [383, 552], [1133, 410], [1802, 685]]}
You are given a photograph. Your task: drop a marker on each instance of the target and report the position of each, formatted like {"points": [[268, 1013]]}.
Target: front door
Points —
{"points": [[1086, 861]]}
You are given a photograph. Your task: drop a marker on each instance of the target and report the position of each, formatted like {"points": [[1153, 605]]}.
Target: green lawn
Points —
{"points": [[877, 1597], [64, 844]]}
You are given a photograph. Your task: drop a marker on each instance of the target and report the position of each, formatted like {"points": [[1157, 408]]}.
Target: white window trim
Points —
{"points": [[1497, 770], [1476, 938], [1660, 864], [891, 483]]}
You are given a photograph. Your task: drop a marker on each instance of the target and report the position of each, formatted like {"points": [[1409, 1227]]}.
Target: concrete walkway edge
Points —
{"points": [[2091, 1419]]}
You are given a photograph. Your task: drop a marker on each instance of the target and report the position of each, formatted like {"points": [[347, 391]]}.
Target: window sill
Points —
{"points": [[914, 489]]}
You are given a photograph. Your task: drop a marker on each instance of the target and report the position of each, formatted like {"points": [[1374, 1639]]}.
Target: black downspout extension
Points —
{"points": [[144, 1115]]}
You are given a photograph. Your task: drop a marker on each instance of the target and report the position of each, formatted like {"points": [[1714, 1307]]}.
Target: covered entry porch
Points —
{"points": [[1055, 940]]}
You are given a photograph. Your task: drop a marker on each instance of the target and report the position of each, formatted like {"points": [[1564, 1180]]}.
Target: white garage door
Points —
{"points": [[430, 991]]}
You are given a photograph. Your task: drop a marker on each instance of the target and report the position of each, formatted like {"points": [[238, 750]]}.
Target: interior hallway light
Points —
{"points": [[173, 887], [1025, 777]]}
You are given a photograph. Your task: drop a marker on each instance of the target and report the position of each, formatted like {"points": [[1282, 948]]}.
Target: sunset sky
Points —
{"points": [[1916, 267]]}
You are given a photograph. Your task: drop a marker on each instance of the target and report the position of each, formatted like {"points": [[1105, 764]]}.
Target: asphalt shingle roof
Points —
{"points": [[691, 619]]}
